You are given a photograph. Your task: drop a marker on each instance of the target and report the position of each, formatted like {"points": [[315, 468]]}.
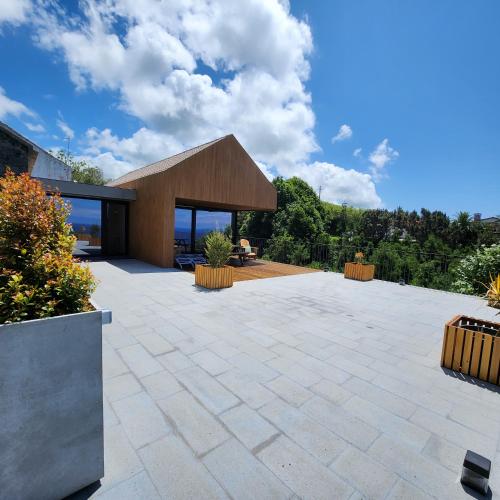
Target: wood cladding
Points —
{"points": [[220, 176]]}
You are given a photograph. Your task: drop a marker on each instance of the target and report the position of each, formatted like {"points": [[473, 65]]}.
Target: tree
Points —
{"points": [[82, 171]]}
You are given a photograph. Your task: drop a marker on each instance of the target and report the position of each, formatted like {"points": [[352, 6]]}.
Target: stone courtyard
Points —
{"points": [[306, 386]]}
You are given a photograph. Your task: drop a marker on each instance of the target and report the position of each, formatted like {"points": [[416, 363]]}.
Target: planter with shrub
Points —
{"points": [[216, 274], [358, 270], [51, 437]]}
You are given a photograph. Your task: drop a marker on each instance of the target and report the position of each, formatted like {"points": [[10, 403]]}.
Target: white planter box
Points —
{"points": [[51, 431]]}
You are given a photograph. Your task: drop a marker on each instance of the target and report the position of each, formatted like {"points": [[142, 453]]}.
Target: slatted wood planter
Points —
{"points": [[360, 272], [213, 278], [472, 347]]}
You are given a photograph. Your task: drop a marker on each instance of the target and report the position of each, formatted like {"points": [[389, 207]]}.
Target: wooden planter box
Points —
{"points": [[210, 277], [360, 272], [472, 347]]}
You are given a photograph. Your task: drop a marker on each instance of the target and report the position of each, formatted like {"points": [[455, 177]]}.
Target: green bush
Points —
{"points": [[38, 275], [218, 249], [472, 274]]}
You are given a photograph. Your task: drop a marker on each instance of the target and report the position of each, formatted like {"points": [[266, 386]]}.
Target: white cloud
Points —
{"points": [[381, 156], [341, 185], [13, 108], [68, 132], [357, 152], [151, 54], [345, 132], [35, 127], [14, 11]]}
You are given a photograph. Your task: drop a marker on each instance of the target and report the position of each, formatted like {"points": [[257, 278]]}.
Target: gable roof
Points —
{"points": [[162, 165]]}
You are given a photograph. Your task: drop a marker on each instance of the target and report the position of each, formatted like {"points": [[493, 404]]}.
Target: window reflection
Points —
{"points": [[85, 219], [182, 234], [208, 221]]}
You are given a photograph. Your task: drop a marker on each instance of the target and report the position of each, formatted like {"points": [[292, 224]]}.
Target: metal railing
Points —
{"points": [[392, 263]]}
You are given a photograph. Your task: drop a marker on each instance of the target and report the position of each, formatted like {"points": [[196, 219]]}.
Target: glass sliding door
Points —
{"points": [[85, 218], [208, 221]]}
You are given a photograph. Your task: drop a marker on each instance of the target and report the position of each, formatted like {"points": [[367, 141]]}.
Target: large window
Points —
{"points": [[183, 220], [208, 221], [85, 218]]}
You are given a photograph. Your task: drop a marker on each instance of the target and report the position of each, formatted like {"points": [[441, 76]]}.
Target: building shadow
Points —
{"points": [[85, 493], [133, 266]]}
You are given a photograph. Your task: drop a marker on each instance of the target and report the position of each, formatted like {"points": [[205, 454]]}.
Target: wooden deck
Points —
{"points": [[257, 269]]}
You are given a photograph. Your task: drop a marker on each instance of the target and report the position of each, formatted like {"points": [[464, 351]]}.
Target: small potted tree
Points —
{"points": [[51, 437], [216, 274], [359, 270]]}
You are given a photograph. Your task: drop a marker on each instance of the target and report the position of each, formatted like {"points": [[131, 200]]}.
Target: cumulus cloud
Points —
{"points": [[13, 108], [153, 56], [14, 11], [345, 132], [381, 156], [341, 185], [357, 152]]}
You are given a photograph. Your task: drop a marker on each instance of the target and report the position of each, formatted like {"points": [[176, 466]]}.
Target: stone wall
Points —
{"points": [[13, 154]]}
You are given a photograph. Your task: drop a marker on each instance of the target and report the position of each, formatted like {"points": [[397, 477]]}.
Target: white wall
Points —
{"points": [[49, 167]]}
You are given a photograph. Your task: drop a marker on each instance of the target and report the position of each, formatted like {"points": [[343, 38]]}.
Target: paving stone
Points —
{"points": [[387, 422], [161, 385], [303, 474], [404, 390], [446, 453], [427, 475], [177, 473], [403, 490], [112, 364], [361, 471], [248, 426], [121, 460], [289, 390], [324, 370], [214, 396], [330, 390], [242, 475], [138, 487], [121, 386], [454, 432], [190, 346], [380, 397], [316, 439], [294, 371], [155, 343], [341, 422], [175, 361], [109, 417], [210, 362], [140, 362], [223, 349], [198, 427], [253, 368], [118, 337], [142, 420], [248, 390]]}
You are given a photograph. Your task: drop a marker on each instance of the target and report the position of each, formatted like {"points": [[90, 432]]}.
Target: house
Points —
{"points": [[159, 210], [21, 155]]}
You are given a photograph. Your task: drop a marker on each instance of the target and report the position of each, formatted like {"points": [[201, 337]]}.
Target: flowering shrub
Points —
{"points": [[38, 275], [475, 270]]}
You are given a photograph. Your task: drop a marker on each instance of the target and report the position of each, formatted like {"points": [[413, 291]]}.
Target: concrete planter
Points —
{"points": [[51, 432], [213, 278]]}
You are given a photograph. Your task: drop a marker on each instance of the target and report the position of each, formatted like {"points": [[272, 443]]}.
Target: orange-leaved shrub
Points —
{"points": [[38, 275]]}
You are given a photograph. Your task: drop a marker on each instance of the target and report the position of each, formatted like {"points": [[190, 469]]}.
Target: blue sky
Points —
{"points": [[411, 86]]}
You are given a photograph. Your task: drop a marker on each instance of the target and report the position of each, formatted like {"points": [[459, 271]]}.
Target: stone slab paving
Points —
{"points": [[307, 386]]}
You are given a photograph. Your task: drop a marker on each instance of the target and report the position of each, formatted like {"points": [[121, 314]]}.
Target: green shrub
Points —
{"points": [[472, 274], [218, 249], [38, 275]]}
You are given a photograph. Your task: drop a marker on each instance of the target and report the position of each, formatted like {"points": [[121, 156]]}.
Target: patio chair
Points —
{"points": [[182, 260], [198, 259], [250, 252]]}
